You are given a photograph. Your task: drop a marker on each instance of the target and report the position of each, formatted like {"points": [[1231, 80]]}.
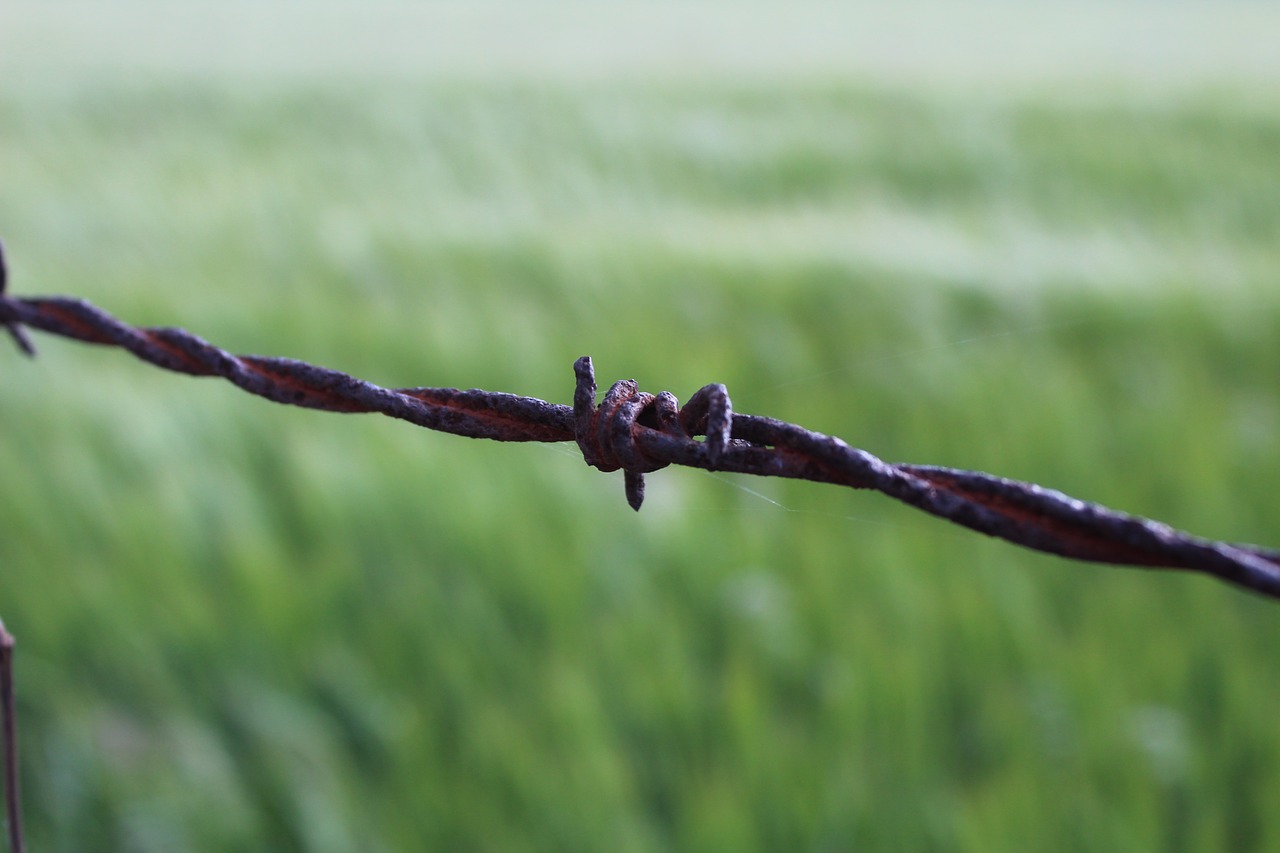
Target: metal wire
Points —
{"points": [[9, 734], [640, 432]]}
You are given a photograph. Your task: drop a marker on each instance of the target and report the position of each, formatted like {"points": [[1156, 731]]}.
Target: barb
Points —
{"points": [[640, 432], [15, 331]]}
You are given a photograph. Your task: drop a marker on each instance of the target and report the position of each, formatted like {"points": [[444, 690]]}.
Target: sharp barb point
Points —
{"points": [[635, 488]]}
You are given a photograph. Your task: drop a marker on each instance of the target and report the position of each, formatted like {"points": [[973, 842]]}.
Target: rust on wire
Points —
{"points": [[639, 433]]}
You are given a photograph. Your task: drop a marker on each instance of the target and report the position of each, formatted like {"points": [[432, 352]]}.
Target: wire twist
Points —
{"points": [[639, 433], [607, 434]]}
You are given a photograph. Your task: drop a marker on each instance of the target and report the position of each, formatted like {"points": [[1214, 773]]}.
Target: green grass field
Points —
{"points": [[246, 627]]}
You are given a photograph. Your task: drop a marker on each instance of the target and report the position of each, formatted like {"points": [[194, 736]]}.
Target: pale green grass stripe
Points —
{"points": [[986, 47]]}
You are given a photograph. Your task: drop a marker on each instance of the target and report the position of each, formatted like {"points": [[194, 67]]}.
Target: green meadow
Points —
{"points": [[242, 626]]}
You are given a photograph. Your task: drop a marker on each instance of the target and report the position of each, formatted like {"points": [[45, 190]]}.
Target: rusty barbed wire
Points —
{"points": [[639, 433]]}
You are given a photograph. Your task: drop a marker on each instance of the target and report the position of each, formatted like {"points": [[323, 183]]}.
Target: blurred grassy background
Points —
{"points": [[1038, 243]]}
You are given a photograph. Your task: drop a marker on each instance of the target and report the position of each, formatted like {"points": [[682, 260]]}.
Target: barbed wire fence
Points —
{"points": [[639, 433]]}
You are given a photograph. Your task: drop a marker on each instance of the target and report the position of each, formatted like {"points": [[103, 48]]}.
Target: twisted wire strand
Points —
{"points": [[639, 432]]}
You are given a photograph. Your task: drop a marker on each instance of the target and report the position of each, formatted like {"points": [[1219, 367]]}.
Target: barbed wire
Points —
{"points": [[639, 433]]}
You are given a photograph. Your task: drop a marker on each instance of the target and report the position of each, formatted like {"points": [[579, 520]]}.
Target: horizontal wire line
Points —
{"points": [[639, 432]]}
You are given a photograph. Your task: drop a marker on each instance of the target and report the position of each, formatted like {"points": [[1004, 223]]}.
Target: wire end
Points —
{"points": [[634, 482]]}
